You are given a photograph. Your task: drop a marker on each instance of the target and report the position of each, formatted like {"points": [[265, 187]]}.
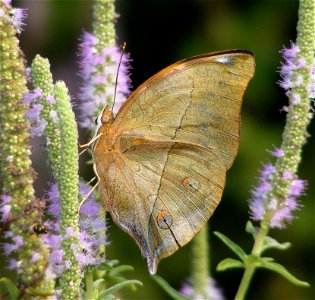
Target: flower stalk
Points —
{"points": [[104, 16], [42, 79], [280, 185], [200, 264], [99, 62], [19, 207], [68, 188]]}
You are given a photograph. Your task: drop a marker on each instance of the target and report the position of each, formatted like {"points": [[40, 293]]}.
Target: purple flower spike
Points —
{"points": [[98, 72], [257, 202], [91, 236], [282, 210], [292, 63]]}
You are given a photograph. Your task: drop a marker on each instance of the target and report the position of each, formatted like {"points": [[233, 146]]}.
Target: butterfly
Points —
{"points": [[162, 161]]}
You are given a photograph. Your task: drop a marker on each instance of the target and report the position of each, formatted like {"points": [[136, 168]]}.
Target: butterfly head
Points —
{"points": [[104, 118]]}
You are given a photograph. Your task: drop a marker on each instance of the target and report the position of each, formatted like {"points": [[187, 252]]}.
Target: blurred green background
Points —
{"points": [[158, 33]]}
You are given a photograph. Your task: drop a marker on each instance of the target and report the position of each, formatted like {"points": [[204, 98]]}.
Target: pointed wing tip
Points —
{"points": [[152, 264]]}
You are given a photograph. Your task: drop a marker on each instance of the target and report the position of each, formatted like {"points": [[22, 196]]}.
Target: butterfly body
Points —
{"points": [[162, 161]]}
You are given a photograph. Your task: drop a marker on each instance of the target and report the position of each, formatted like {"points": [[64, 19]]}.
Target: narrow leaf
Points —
{"points": [[8, 290], [250, 228], [104, 266], [234, 247], [107, 297], [271, 243], [168, 289], [119, 286], [229, 263], [97, 282], [121, 269], [284, 272]]}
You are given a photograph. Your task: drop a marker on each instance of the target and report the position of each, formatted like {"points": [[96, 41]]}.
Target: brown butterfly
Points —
{"points": [[162, 161]]}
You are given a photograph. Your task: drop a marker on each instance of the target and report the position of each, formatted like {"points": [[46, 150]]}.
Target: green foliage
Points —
{"points": [[254, 260], [269, 242], [8, 290], [168, 289], [234, 247], [109, 278]]}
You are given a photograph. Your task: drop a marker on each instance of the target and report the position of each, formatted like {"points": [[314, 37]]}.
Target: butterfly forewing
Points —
{"points": [[173, 141]]}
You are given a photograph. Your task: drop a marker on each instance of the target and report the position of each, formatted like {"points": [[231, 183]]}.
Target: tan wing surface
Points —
{"points": [[175, 138]]}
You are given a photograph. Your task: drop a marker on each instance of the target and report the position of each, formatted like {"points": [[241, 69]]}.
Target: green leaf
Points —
{"points": [[121, 269], [271, 243], [8, 290], [97, 282], [107, 297], [229, 263], [250, 228], [118, 287], [115, 279], [270, 265], [234, 247], [109, 265], [168, 289]]}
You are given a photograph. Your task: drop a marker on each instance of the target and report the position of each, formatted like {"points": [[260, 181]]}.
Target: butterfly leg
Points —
{"points": [[80, 153], [91, 141], [88, 194], [92, 189]]}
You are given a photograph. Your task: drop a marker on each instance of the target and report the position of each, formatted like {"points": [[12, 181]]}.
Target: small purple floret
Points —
{"points": [[91, 236], [212, 291]]}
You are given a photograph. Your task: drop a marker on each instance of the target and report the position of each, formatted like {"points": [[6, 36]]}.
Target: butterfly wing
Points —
{"points": [[174, 139]]}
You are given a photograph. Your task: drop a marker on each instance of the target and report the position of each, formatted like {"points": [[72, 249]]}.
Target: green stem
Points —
{"points": [[259, 241], [200, 263], [250, 267], [247, 277], [89, 285]]}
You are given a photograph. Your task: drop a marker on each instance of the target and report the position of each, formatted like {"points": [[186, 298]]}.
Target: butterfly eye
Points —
{"points": [[95, 121], [105, 119]]}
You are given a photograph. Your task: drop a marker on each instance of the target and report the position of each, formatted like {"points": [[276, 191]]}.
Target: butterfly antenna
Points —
{"points": [[123, 48]]}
